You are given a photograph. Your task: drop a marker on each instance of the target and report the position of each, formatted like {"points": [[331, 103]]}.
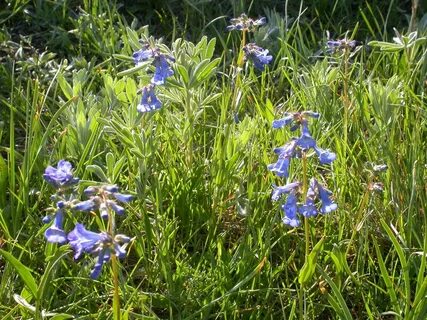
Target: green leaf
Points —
{"points": [[23, 271], [307, 270], [337, 301], [98, 171]]}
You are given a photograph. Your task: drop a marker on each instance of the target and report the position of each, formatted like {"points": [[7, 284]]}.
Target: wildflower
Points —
{"points": [[258, 55], [62, 176], [55, 233], [325, 156], [309, 209], [102, 244], [332, 46], [149, 101], [144, 54], [161, 62], [243, 23], [278, 191], [163, 70], [103, 198], [325, 197], [290, 209]]}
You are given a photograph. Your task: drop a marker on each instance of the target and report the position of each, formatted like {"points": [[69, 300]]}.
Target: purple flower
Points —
{"points": [[258, 55], [62, 176], [143, 54], [163, 70], [306, 141], [102, 244], [290, 209], [149, 101], [245, 23], [341, 44], [278, 191], [325, 156], [103, 198], [286, 120], [309, 208], [55, 233], [281, 167], [325, 197], [87, 205]]}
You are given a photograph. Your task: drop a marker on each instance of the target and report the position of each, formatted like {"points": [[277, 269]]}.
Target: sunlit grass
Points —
{"points": [[209, 242]]}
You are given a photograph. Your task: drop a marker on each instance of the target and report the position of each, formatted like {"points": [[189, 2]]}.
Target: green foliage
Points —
{"points": [[209, 242]]}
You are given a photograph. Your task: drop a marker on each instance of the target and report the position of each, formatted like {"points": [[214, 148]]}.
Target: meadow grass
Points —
{"points": [[208, 242]]}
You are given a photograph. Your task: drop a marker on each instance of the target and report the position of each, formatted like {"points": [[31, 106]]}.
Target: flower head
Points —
{"points": [[55, 233], [149, 101], [103, 198], [279, 190], [290, 208], [62, 176], [325, 197], [243, 23], [144, 54], [163, 70], [101, 244], [258, 55]]}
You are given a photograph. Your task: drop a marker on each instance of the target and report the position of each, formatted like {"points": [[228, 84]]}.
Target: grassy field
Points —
{"points": [[205, 239]]}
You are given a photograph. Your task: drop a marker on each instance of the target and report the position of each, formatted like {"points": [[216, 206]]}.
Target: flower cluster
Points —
{"points": [[163, 70], [256, 54], [243, 23], [333, 46], [298, 147], [102, 198]]}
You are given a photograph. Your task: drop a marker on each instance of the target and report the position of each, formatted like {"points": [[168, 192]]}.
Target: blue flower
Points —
{"points": [[62, 176], [309, 209], [55, 233], [149, 101], [103, 198], [286, 120], [143, 54], [258, 55], [306, 141], [245, 23], [325, 156], [87, 205], [102, 244], [327, 204], [279, 190], [163, 70], [290, 208], [281, 167]]}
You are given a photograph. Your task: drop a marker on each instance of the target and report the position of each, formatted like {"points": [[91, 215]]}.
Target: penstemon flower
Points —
{"points": [[149, 100], [298, 147], [102, 244], [62, 179], [257, 55], [103, 198], [243, 23], [161, 62]]}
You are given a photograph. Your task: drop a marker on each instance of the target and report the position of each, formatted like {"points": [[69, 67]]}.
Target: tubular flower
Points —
{"points": [[149, 101], [103, 198], [62, 176], [258, 55], [243, 23], [100, 244], [55, 233]]}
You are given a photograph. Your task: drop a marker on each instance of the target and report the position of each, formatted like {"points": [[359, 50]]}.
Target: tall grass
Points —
{"points": [[209, 243]]}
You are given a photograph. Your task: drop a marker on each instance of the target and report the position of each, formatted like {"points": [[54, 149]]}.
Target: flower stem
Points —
{"points": [[116, 295], [304, 195]]}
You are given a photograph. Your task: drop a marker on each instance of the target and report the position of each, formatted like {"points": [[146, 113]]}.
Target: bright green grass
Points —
{"points": [[209, 243]]}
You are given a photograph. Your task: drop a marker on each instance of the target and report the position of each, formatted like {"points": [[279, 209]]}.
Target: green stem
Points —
{"points": [[116, 296], [237, 83], [304, 195], [345, 100]]}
